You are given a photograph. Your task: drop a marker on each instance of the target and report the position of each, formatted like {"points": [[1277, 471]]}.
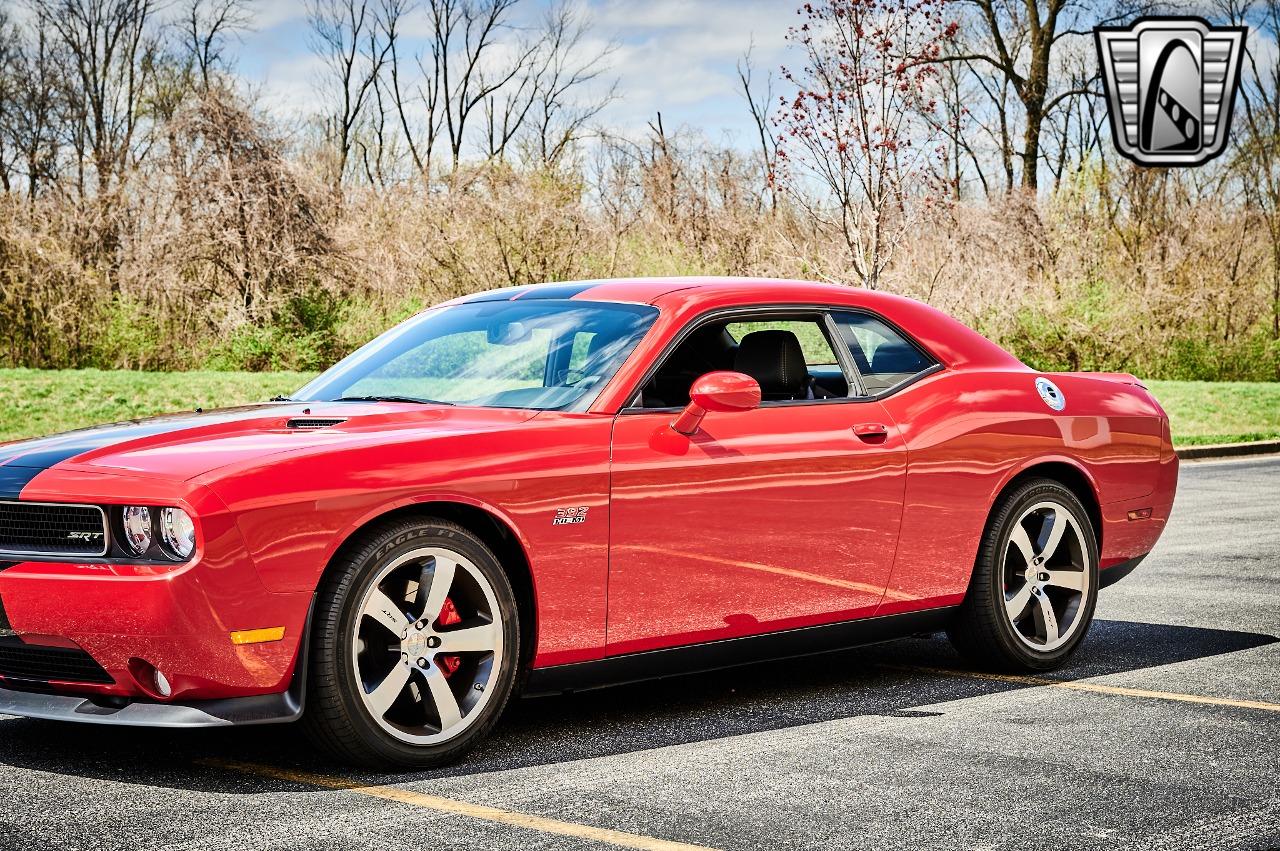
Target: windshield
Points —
{"points": [[543, 354]]}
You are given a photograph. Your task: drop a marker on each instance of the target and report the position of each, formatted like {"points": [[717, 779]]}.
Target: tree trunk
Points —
{"points": [[1030, 155]]}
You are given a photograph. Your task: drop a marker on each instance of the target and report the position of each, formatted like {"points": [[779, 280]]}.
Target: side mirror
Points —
{"points": [[717, 391]]}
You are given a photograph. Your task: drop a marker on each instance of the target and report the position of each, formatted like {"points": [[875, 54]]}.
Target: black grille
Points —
{"points": [[314, 423], [31, 662], [42, 529]]}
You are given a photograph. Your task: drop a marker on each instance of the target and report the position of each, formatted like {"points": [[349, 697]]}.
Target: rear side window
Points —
{"points": [[883, 355]]}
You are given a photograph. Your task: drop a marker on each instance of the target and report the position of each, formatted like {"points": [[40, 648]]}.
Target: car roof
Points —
{"points": [[682, 298], [694, 288]]}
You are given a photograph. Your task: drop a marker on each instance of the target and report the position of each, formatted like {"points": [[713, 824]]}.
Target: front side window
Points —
{"points": [[541, 354], [883, 356], [808, 332], [789, 357]]}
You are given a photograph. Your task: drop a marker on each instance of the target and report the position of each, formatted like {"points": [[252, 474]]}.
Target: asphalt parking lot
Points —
{"points": [[1163, 734]]}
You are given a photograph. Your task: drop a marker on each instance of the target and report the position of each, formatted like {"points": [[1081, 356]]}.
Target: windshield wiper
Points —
{"points": [[280, 399], [412, 399]]}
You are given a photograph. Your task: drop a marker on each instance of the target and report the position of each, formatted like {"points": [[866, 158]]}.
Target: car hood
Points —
{"points": [[183, 446]]}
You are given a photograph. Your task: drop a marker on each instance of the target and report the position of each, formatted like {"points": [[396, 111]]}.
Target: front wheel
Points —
{"points": [[415, 647], [1034, 586]]}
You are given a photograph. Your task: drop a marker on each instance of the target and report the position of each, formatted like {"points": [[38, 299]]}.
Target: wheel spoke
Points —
{"points": [[387, 612], [475, 639], [1046, 620], [1058, 527], [434, 587], [442, 696], [385, 694], [1016, 605], [398, 645], [1070, 579], [1022, 541]]}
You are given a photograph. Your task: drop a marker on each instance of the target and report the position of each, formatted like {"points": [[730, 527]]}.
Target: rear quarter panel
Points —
{"points": [[969, 433]]}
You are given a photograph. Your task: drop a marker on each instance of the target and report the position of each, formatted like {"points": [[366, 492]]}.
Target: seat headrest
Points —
{"points": [[893, 356], [775, 360]]}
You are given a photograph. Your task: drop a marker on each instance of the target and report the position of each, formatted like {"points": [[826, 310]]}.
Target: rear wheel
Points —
{"points": [[1034, 587], [415, 647]]}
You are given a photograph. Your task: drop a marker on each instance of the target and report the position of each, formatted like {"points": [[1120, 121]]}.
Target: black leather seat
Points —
{"points": [[776, 361]]}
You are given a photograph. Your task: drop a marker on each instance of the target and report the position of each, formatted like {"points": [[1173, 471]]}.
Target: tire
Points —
{"points": [[1024, 614], [380, 678]]}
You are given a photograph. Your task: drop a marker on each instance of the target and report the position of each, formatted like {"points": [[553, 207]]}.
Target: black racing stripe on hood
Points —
{"points": [[22, 462], [14, 479]]}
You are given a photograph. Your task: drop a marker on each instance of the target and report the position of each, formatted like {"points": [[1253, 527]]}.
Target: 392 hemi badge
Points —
{"points": [[565, 516]]}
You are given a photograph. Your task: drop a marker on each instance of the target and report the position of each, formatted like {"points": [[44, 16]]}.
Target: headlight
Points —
{"points": [[178, 532], [136, 520]]}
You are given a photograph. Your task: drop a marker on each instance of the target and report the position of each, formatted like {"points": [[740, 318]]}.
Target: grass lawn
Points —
{"points": [[1220, 412], [37, 402]]}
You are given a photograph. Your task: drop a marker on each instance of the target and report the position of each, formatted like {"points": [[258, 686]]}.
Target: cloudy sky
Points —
{"points": [[677, 56]]}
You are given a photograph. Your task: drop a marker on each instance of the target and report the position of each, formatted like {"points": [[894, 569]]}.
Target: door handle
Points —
{"points": [[871, 432]]}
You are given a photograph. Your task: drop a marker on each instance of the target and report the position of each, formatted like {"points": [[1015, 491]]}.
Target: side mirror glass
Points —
{"points": [[717, 391]]}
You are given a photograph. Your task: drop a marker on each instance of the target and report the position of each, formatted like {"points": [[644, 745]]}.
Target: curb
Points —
{"points": [[1228, 450]]}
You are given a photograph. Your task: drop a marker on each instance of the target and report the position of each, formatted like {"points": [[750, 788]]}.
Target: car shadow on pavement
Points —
{"points": [[875, 680]]}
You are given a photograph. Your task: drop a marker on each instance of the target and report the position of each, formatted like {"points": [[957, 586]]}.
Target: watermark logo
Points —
{"points": [[1171, 84]]}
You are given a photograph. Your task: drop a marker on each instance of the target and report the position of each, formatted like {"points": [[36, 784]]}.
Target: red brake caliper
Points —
{"points": [[449, 617]]}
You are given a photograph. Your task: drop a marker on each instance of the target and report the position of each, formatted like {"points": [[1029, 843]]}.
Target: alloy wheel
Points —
{"points": [[1047, 576], [427, 645]]}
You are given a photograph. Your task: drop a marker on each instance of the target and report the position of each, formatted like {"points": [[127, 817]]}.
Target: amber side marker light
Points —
{"points": [[1140, 514], [258, 636]]}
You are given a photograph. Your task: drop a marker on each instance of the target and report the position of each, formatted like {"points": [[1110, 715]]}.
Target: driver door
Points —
{"points": [[762, 520]]}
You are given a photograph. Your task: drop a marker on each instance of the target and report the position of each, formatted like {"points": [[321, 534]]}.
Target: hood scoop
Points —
{"points": [[310, 423]]}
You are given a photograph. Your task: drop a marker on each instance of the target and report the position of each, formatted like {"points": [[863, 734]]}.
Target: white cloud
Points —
{"points": [[673, 56], [291, 86], [680, 57], [272, 13]]}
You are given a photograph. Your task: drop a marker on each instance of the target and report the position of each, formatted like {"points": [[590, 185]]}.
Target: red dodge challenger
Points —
{"points": [[561, 486]]}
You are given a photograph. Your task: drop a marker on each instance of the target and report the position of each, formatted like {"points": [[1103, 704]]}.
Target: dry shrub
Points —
{"points": [[233, 253], [50, 299]]}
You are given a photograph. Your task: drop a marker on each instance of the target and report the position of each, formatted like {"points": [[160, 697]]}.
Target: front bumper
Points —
{"points": [[132, 624], [135, 619], [235, 711]]}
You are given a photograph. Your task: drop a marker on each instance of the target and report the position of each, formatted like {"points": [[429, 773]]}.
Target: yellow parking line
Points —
{"points": [[460, 808], [1097, 688]]}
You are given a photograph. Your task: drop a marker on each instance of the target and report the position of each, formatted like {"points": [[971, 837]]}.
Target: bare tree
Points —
{"points": [[522, 88], [352, 38], [10, 87], [853, 125], [109, 45], [563, 106], [464, 33], [760, 105], [205, 26], [1258, 134], [1072, 130], [960, 159], [1020, 40]]}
